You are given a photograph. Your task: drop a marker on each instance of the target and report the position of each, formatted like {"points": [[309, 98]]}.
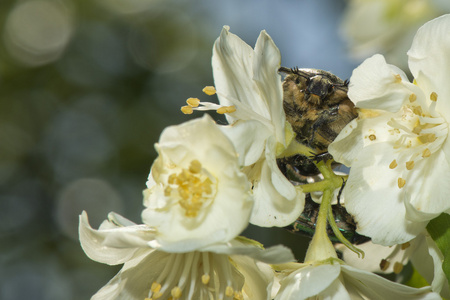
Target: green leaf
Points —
{"points": [[417, 280], [439, 230]]}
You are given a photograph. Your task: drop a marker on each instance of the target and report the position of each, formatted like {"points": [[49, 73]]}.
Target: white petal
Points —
{"points": [[134, 280], [373, 197], [232, 63], [429, 60], [272, 255], [249, 138], [266, 63], [258, 277], [271, 208], [373, 85], [371, 286], [430, 177], [350, 142], [308, 282], [111, 244], [428, 262]]}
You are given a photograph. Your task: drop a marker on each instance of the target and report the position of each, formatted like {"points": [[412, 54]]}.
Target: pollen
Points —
{"points": [[401, 182], [393, 164], [229, 291], [417, 110], [398, 78], [205, 278], [372, 137], [193, 187], [187, 110], [193, 102], [426, 153], [412, 97], [409, 165], [156, 287], [433, 96], [176, 292], [405, 245], [427, 138], [238, 296], [226, 109], [398, 267], [384, 264], [209, 90]]}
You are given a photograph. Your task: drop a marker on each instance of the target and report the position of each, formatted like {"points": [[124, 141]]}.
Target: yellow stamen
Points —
{"points": [[398, 78], [193, 102], [176, 292], [372, 137], [398, 267], [187, 110], [205, 278], [417, 110], [433, 96], [195, 167], [427, 138], [226, 109], [401, 182], [412, 97], [209, 90], [156, 287], [405, 245], [238, 296], [229, 291], [393, 164], [384, 265], [426, 153], [409, 165]]}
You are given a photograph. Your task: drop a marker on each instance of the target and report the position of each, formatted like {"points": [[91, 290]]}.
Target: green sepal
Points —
{"points": [[416, 280], [439, 230]]}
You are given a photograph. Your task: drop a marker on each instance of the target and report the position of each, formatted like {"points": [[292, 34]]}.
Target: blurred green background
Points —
{"points": [[86, 87]]}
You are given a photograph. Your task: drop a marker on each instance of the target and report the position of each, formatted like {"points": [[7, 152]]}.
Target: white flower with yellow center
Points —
{"points": [[422, 251], [398, 148], [231, 271], [249, 89], [387, 26], [196, 193]]}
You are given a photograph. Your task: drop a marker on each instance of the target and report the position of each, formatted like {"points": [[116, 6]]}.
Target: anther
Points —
{"points": [[405, 245], [426, 153], [238, 296], [226, 109], [193, 102], [209, 90], [409, 165], [401, 182], [398, 78], [417, 110], [372, 137], [433, 96], [156, 287], [176, 292], [393, 164], [195, 167], [205, 278], [398, 267], [412, 97], [229, 291], [384, 264], [187, 110]]}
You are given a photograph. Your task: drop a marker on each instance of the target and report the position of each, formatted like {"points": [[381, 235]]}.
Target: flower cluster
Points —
{"points": [[210, 181]]}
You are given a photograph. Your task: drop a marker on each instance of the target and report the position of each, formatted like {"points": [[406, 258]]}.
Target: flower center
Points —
{"points": [[421, 131], [197, 275], [194, 188]]}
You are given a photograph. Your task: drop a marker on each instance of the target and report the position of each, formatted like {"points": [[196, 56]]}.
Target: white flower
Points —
{"points": [[398, 148], [230, 270], [386, 26], [422, 251], [335, 280], [250, 94], [196, 193]]}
